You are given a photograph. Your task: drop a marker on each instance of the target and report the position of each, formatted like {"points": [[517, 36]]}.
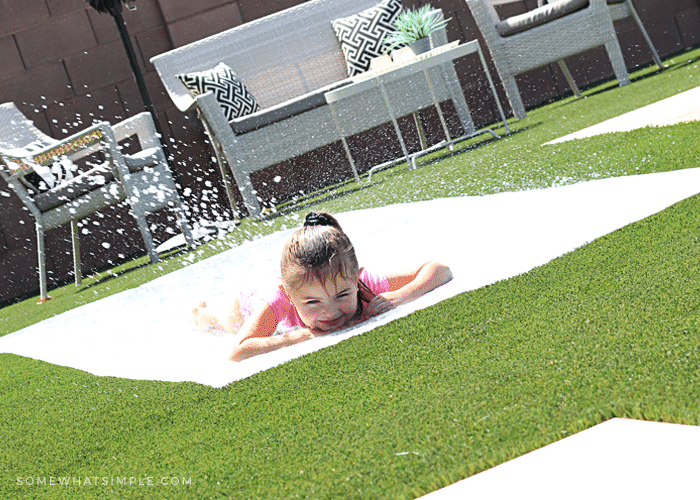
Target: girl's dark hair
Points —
{"points": [[318, 250], [321, 249]]}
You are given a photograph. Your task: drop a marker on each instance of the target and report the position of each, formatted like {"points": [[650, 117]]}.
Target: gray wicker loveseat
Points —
{"points": [[287, 61]]}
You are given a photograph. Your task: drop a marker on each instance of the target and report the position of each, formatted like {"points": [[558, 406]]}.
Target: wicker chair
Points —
{"points": [[143, 178], [546, 35], [619, 9]]}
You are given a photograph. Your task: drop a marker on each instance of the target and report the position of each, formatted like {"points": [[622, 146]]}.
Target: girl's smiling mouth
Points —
{"points": [[328, 324]]}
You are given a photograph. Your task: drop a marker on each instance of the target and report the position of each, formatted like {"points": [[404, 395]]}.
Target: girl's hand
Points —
{"points": [[382, 303]]}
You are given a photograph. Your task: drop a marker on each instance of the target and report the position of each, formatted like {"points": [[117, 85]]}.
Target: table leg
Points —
{"points": [[451, 81], [409, 160], [493, 89], [437, 106], [75, 236], [339, 128], [420, 130]]}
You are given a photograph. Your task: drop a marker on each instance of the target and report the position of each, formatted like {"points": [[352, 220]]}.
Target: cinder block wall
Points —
{"points": [[64, 66]]}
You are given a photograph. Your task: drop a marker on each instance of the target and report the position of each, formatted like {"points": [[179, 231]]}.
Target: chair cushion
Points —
{"points": [[539, 16], [362, 35], [284, 110], [76, 187], [44, 177], [50, 176], [95, 179], [232, 95]]}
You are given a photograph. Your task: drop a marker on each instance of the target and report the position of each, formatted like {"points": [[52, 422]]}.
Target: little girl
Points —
{"points": [[322, 289]]}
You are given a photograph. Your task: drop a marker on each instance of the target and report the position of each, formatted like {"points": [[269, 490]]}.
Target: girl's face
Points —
{"points": [[328, 305]]}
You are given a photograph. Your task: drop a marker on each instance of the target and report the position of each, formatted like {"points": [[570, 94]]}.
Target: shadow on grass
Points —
{"points": [[471, 147], [326, 194], [336, 191], [639, 78]]}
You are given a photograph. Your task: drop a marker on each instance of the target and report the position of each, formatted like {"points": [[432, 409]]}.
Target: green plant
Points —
{"points": [[413, 25]]}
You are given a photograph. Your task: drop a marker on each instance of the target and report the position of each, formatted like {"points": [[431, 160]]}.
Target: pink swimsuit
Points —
{"points": [[287, 315]]}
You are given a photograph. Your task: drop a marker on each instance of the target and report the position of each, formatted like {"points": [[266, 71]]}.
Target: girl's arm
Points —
{"points": [[256, 335], [409, 285], [254, 346], [261, 324]]}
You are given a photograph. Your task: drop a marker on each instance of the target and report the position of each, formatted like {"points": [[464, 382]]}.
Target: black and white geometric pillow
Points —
{"points": [[56, 174], [63, 170], [233, 96], [362, 35], [47, 177]]}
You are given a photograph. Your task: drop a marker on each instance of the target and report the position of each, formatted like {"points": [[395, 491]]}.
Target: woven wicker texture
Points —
{"points": [[283, 57], [120, 178], [560, 38], [278, 57], [619, 9], [16, 131]]}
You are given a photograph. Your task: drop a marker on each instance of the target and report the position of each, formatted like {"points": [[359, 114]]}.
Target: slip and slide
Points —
{"points": [[146, 333]]}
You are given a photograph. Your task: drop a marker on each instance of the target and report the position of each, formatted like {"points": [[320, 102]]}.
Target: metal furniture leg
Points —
{"points": [[41, 251], [408, 157], [569, 79], [221, 162], [654, 53], [76, 252], [437, 106], [420, 130], [341, 133], [493, 89]]}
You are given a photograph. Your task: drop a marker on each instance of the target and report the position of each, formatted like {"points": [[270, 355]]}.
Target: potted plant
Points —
{"points": [[413, 28]]}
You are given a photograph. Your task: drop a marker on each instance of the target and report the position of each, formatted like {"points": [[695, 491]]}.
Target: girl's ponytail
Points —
{"points": [[321, 219]]}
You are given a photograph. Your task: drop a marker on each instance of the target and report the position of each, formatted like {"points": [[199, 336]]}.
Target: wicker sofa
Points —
{"points": [[288, 60]]}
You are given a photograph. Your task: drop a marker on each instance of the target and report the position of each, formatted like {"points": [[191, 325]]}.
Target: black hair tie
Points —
{"points": [[314, 219]]}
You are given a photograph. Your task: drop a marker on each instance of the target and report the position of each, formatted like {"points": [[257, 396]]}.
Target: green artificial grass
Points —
{"points": [[608, 330], [403, 409]]}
